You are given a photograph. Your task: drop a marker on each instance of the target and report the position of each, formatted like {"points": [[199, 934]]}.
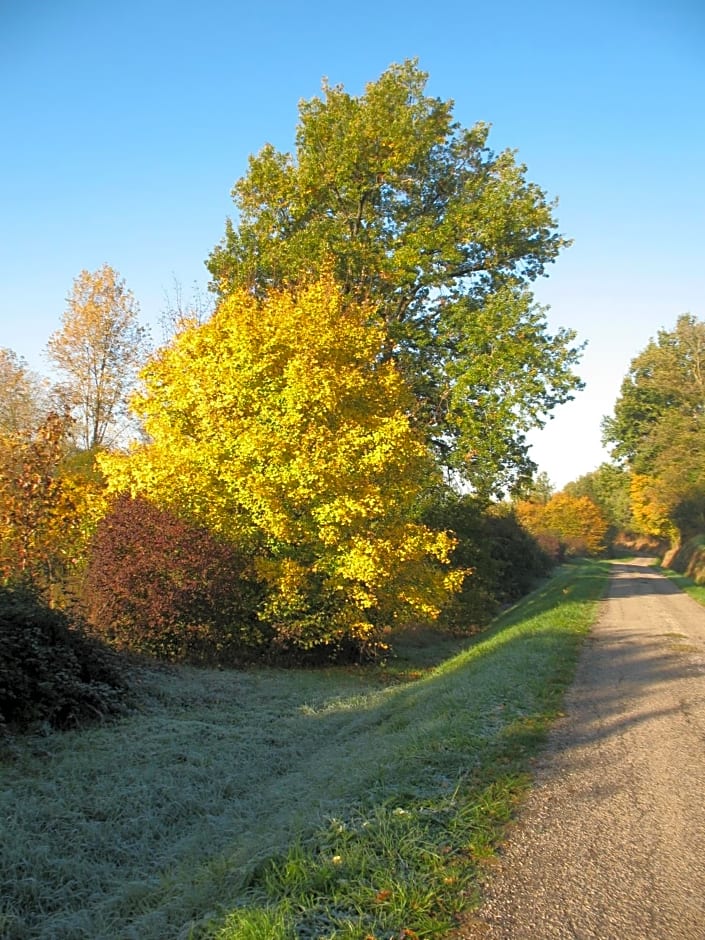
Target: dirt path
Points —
{"points": [[611, 843]]}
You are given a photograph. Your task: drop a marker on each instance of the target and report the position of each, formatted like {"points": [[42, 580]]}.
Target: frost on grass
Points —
{"points": [[165, 817]]}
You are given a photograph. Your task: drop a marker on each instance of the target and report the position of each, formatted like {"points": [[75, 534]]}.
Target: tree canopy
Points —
{"points": [[609, 488], [441, 237], [43, 511], [658, 426], [98, 351], [279, 425], [25, 400], [574, 523]]}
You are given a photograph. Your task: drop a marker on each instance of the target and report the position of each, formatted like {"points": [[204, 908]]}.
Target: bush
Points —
{"points": [[50, 671], [504, 559], [519, 559], [158, 585], [552, 546]]}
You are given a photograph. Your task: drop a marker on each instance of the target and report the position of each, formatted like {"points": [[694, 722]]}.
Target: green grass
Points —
{"points": [[340, 803], [696, 591]]}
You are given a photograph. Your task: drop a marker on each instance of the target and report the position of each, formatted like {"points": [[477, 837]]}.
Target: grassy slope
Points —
{"points": [[346, 803], [696, 591]]}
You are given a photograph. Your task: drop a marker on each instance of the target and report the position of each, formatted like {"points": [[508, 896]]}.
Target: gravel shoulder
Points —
{"points": [[610, 844]]}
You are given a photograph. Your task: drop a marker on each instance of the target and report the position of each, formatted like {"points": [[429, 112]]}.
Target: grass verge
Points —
{"points": [[340, 803], [696, 591]]}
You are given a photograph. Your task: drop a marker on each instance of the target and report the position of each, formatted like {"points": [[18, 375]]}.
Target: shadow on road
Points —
{"points": [[648, 641], [630, 580]]}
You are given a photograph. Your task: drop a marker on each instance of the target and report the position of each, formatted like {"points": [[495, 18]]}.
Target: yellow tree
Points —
{"points": [[48, 507], [575, 522], [279, 424], [98, 352], [24, 398], [651, 512]]}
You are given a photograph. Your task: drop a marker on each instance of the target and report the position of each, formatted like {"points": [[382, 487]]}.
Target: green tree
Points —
{"points": [[505, 560], [98, 350], [539, 489], [658, 426], [420, 219]]}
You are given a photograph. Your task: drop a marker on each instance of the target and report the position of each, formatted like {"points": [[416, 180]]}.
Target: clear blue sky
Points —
{"points": [[125, 125]]}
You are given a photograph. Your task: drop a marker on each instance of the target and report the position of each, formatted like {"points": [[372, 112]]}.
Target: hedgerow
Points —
{"points": [[504, 559]]}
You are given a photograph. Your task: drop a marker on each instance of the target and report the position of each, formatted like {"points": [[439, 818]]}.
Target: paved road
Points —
{"points": [[611, 843]]}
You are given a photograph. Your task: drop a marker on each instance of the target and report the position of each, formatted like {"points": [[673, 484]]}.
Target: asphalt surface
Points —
{"points": [[610, 844]]}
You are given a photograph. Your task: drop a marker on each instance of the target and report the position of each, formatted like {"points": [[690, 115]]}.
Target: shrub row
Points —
{"points": [[505, 561], [158, 585]]}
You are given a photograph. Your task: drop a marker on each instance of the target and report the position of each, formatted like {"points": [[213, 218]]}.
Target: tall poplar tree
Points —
{"points": [[24, 395], [443, 237], [98, 351]]}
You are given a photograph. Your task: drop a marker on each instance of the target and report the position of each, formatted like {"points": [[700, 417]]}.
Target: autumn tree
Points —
{"points": [[440, 236], [24, 396], [280, 425], [657, 430], [650, 513], [566, 525], [609, 488], [38, 516], [98, 352]]}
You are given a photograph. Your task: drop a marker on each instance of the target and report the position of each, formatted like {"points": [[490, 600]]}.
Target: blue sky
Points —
{"points": [[125, 125]]}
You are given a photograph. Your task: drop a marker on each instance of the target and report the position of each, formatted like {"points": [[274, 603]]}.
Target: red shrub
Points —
{"points": [[158, 585]]}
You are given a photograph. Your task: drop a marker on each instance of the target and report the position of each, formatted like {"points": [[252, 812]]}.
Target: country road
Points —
{"points": [[610, 844]]}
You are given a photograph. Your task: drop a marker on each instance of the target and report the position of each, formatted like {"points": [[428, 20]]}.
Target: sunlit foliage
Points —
{"points": [[98, 351], [280, 425], [421, 219], [658, 429], [24, 395], [158, 585], [50, 502], [566, 525], [650, 512], [608, 487]]}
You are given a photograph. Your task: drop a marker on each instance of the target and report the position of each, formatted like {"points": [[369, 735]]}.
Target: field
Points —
{"points": [[358, 802]]}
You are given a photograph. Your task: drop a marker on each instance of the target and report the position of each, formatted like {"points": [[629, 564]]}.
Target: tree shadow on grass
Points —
{"points": [[221, 787]]}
